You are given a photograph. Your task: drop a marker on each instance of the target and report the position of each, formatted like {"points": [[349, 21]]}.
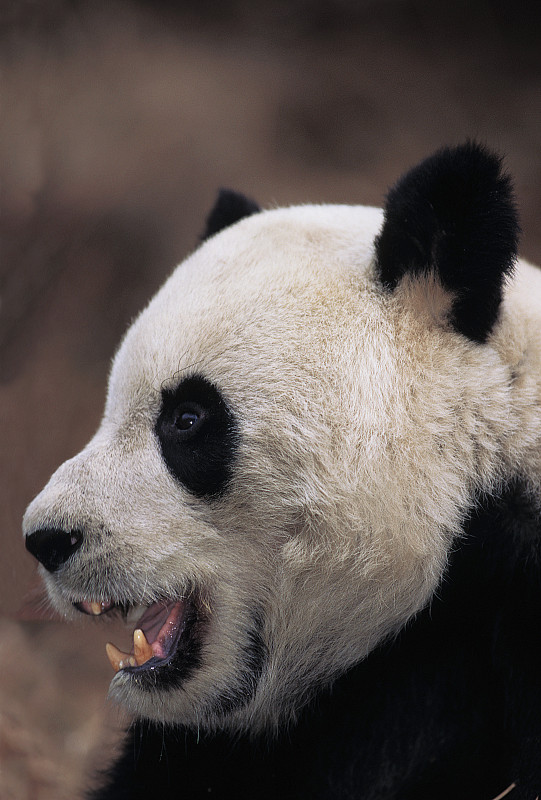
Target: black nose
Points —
{"points": [[52, 546]]}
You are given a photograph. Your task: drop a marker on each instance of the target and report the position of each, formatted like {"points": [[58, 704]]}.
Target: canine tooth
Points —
{"points": [[143, 651], [96, 608], [118, 659]]}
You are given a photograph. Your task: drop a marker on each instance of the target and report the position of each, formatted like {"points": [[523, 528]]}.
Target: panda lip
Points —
{"points": [[159, 629]]}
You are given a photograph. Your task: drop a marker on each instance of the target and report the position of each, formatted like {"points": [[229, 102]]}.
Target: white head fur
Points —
{"points": [[366, 425]]}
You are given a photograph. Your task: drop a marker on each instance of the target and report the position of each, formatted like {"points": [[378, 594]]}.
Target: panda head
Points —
{"points": [[295, 429]]}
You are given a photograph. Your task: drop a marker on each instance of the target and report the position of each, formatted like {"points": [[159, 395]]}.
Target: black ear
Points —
{"points": [[453, 216], [229, 207]]}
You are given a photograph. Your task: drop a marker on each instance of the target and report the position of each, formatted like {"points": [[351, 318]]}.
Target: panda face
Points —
{"points": [[288, 448]]}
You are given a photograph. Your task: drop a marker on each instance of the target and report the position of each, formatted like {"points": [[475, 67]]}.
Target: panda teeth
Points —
{"points": [[142, 652], [118, 659], [141, 648]]}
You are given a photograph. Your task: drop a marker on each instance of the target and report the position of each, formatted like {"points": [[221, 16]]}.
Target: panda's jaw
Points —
{"points": [[163, 636], [155, 640]]}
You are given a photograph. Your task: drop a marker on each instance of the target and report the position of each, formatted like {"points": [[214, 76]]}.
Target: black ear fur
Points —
{"points": [[454, 215], [229, 207]]}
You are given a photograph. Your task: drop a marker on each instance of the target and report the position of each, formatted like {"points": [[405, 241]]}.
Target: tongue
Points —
{"points": [[154, 638]]}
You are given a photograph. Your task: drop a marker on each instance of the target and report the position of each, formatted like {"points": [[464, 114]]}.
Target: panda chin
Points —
{"points": [[166, 641]]}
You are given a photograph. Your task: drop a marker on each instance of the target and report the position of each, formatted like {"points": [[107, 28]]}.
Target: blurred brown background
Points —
{"points": [[118, 122]]}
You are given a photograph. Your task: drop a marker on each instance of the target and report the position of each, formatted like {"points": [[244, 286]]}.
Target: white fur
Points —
{"points": [[366, 423]]}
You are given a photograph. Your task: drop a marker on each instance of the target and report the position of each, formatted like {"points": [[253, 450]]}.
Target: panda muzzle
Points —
{"points": [[155, 638]]}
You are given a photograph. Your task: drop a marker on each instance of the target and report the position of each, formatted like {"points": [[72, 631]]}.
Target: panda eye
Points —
{"points": [[198, 436], [188, 418]]}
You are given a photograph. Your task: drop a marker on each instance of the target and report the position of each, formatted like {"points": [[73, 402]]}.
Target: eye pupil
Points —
{"points": [[186, 420]]}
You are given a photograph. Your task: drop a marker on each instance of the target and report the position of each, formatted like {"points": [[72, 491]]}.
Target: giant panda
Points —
{"points": [[314, 496]]}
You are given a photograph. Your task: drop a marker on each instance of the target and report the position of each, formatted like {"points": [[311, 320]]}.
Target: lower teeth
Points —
{"points": [[142, 652]]}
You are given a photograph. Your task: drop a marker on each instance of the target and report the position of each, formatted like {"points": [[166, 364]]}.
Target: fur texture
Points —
{"points": [[447, 709], [454, 215], [359, 423], [229, 208]]}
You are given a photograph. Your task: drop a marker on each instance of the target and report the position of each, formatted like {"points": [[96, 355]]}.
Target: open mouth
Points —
{"points": [[160, 630], [168, 649]]}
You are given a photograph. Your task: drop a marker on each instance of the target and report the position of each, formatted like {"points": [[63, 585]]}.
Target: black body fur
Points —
{"points": [[451, 709], [454, 215]]}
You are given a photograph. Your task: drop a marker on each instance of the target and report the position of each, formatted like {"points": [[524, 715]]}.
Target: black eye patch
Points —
{"points": [[198, 437]]}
